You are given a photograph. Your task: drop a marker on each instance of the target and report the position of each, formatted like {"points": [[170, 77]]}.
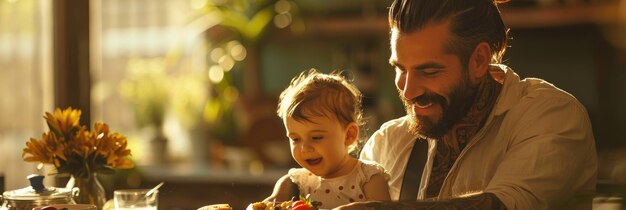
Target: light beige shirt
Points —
{"points": [[535, 151]]}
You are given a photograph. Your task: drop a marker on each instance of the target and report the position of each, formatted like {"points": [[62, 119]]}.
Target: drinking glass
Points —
{"points": [[135, 199]]}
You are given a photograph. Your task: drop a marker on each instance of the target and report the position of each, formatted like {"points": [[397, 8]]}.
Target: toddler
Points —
{"points": [[322, 114]]}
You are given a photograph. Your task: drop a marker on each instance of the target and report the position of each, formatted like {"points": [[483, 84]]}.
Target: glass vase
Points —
{"points": [[91, 190]]}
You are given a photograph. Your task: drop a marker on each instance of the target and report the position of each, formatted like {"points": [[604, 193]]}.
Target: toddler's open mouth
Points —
{"points": [[313, 161]]}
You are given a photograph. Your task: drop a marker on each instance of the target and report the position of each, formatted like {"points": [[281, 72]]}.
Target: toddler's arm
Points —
{"points": [[377, 189], [283, 190]]}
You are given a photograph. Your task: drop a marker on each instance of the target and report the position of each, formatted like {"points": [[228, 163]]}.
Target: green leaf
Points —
{"points": [[236, 21], [258, 23]]}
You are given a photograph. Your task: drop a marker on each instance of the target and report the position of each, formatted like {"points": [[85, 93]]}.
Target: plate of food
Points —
{"points": [[302, 204], [216, 207], [67, 207]]}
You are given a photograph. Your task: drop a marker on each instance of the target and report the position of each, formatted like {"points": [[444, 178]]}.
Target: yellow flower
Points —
{"points": [[82, 144], [112, 146], [63, 121], [71, 148], [120, 151], [47, 150]]}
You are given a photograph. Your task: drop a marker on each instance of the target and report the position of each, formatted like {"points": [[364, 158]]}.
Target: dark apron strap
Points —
{"points": [[413, 170]]}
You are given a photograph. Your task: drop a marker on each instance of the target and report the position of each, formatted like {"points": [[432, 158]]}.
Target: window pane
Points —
{"points": [[25, 82], [145, 54]]}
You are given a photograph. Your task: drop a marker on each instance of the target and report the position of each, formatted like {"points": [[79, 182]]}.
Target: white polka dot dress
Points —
{"points": [[336, 191]]}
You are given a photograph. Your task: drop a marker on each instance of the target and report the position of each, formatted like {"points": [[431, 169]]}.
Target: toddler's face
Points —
{"points": [[320, 146]]}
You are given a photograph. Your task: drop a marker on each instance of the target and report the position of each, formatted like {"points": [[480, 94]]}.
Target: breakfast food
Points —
{"points": [[216, 207], [302, 204], [65, 207], [51, 208], [269, 205]]}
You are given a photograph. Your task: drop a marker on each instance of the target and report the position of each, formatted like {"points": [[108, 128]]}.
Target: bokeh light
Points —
{"points": [[237, 50], [231, 94], [282, 20], [216, 74], [282, 6], [216, 54], [226, 62]]}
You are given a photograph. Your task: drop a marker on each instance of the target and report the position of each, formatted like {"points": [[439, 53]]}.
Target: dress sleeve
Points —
{"points": [[297, 175], [371, 168]]}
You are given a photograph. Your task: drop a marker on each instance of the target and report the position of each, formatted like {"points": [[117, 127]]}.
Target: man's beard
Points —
{"points": [[461, 97]]}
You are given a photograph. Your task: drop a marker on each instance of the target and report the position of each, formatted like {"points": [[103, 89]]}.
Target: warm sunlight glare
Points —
{"points": [[226, 62], [237, 51], [216, 74], [216, 54]]}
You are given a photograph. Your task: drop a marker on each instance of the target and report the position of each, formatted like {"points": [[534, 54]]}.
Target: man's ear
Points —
{"points": [[479, 62], [352, 133]]}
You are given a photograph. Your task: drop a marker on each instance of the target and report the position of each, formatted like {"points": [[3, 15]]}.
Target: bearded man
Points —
{"points": [[488, 139]]}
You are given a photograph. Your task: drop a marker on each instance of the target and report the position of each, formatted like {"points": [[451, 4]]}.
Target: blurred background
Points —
{"points": [[194, 84]]}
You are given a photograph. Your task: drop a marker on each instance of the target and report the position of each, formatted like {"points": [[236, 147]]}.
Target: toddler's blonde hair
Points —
{"points": [[314, 94]]}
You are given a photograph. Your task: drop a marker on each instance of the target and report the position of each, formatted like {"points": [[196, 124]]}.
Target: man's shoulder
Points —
{"points": [[526, 92], [396, 129], [532, 99], [401, 122], [539, 91]]}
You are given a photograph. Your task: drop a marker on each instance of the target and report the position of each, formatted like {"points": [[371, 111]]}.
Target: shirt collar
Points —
{"points": [[510, 93]]}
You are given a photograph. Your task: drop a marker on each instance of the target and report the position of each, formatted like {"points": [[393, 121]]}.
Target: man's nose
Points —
{"points": [[412, 88]]}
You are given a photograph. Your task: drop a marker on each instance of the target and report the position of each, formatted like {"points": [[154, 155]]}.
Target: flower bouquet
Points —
{"points": [[75, 150]]}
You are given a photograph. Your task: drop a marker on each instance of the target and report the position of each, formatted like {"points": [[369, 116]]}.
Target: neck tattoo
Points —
{"points": [[454, 141]]}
